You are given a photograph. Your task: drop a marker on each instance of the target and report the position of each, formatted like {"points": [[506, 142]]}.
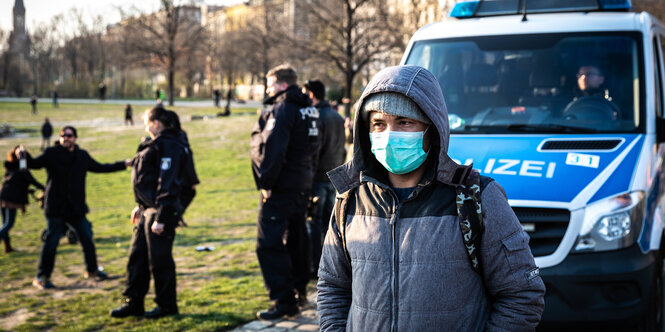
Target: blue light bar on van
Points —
{"points": [[513, 7], [464, 9], [615, 4]]}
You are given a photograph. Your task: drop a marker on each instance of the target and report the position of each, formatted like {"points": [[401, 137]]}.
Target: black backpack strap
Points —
{"points": [[340, 220], [469, 210]]}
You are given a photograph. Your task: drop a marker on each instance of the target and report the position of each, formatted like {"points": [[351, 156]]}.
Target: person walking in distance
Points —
{"points": [[283, 144], [216, 96], [102, 91], [54, 96], [33, 103], [159, 172], [47, 131], [14, 192], [128, 115], [330, 155], [64, 201]]}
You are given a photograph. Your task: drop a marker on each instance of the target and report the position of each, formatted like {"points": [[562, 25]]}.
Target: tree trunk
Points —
{"points": [[171, 76], [347, 94]]}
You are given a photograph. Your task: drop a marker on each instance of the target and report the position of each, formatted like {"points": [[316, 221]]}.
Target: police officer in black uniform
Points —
{"points": [[283, 148], [157, 177]]}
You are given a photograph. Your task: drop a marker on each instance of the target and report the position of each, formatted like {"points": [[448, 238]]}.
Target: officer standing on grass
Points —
{"points": [[331, 154], [64, 201], [284, 142], [159, 172]]}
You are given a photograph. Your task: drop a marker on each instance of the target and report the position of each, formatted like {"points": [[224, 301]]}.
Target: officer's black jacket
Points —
{"points": [[190, 177], [15, 184], [65, 182], [158, 174], [331, 152], [284, 143]]}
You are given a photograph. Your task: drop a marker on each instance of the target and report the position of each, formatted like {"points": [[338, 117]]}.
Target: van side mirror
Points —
{"points": [[660, 130]]}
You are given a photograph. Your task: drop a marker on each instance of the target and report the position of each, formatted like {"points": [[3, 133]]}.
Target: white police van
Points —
{"points": [[564, 108]]}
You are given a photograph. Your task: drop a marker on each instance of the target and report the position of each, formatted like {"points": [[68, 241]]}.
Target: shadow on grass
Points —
{"points": [[231, 319], [230, 274], [112, 239], [232, 190], [194, 239]]}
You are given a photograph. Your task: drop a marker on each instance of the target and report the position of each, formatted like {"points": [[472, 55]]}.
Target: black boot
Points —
{"points": [[8, 246], [279, 310], [301, 296], [159, 312], [132, 307]]}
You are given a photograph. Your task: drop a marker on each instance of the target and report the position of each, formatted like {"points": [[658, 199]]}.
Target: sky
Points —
{"points": [[41, 11]]}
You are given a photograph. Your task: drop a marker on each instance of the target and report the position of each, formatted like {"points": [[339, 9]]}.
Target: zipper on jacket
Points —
{"points": [[393, 223]]}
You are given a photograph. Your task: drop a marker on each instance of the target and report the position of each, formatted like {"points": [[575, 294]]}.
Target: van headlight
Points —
{"points": [[612, 223]]}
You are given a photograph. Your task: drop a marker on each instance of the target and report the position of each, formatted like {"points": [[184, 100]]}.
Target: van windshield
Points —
{"points": [[547, 83]]}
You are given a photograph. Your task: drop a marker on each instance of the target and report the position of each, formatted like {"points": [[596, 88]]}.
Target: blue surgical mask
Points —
{"points": [[400, 152]]}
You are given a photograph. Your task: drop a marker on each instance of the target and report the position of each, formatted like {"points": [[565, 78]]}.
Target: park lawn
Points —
{"points": [[217, 290]]}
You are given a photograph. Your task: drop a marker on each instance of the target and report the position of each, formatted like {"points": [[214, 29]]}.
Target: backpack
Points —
{"points": [[469, 210]]}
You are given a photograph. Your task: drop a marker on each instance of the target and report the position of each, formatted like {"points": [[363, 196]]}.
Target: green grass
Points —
{"points": [[217, 290]]}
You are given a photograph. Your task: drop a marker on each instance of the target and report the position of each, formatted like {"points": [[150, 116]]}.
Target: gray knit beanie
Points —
{"points": [[393, 103]]}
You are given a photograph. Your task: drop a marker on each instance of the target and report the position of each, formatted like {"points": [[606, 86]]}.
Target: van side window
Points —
{"points": [[659, 77]]}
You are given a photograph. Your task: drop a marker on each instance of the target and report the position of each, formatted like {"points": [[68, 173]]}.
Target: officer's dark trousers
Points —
{"points": [[317, 228], [148, 253], [282, 245], [55, 228]]}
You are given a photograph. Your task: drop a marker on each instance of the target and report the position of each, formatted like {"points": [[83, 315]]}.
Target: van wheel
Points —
{"points": [[653, 319]]}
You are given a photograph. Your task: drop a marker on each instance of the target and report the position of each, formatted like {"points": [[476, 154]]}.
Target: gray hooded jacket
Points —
{"points": [[408, 268]]}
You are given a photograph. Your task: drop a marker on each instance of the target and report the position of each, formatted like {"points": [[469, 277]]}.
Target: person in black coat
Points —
{"points": [[216, 95], [47, 131], [283, 146], [128, 115], [330, 155], [64, 201], [14, 194], [158, 173], [33, 103]]}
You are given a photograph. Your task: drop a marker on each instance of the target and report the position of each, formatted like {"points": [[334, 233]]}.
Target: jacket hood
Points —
{"points": [[422, 87]]}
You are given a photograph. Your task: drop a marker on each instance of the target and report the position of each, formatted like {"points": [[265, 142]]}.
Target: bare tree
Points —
{"points": [[265, 34], [419, 12], [4, 58], [166, 36], [84, 52], [350, 35], [230, 54], [43, 56]]}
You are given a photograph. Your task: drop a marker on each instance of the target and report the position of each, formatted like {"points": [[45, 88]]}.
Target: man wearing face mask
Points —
{"points": [[398, 254]]}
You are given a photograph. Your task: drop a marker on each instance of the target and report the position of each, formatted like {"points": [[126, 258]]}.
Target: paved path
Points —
{"points": [[306, 321], [191, 103]]}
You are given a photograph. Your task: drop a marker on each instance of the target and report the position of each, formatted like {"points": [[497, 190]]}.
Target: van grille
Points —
{"points": [[608, 144], [545, 227]]}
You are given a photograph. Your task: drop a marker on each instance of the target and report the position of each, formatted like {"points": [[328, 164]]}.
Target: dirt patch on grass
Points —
{"points": [[15, 319]]}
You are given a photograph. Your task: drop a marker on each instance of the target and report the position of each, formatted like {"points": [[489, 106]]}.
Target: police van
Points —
{"points": [[564, 107]]}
